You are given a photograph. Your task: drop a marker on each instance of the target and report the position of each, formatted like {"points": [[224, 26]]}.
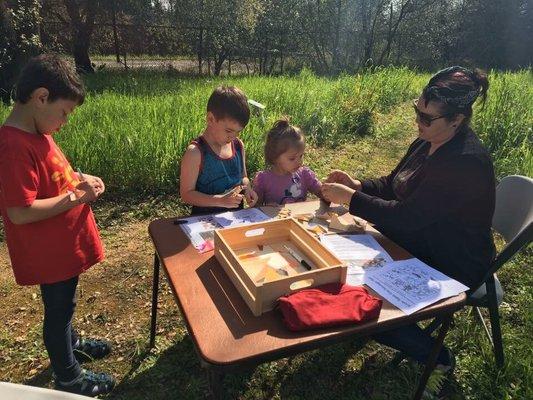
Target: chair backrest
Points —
{"points": [[513, 217], [514, 206]]}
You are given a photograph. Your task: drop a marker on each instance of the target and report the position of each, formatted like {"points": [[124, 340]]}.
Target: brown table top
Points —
{"points": [[222, 326]]}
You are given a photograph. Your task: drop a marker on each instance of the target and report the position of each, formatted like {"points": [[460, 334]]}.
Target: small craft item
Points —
{"points": [[284, 213], [326, 215], [347, 223], [328, 305], [239, 189], [299, 258], [323, 206], [304, 217], [317, 229]]}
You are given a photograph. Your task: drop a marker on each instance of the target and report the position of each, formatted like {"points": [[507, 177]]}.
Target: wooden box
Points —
{"points": [[249, 253]]}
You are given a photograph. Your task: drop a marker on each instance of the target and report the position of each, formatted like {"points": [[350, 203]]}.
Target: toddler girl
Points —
{"points": [[286, 180]]}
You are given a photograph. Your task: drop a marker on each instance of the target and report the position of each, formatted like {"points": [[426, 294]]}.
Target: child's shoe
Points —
{"points": [[91, 349], [88, 384]]}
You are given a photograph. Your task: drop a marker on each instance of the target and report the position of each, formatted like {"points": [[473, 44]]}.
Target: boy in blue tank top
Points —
{"points": [[213, 174]]}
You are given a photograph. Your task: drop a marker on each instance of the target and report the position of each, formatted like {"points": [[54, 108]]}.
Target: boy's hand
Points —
{"points": [[250, 196], [96, 183], [85, 192], [229, 200]]}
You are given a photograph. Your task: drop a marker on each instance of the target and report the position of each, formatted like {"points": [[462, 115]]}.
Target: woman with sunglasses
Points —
{"points": [[439, 201]]}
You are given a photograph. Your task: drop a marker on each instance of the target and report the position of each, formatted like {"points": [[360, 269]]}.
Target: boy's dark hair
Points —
{"points": [[282, 137], [229, 102], [51, 72]]}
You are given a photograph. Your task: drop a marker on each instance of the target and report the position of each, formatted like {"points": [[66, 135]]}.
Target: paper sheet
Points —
{"points": [[240, 217], [411, 285], [361, 253]]}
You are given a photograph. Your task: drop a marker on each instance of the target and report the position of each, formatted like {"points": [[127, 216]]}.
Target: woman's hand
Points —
{"points": [[338, 176], [337, 193]]}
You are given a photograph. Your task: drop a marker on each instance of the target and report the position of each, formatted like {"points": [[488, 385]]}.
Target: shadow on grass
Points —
{"points": [[331, 373], [172, 374], [42, 379]]}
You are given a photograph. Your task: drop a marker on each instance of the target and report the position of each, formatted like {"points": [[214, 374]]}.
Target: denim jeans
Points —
{"points": [[413, 342], [59, 301]]}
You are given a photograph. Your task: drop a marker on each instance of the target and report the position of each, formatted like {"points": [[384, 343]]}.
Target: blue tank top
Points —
{"points": [[217, 174]]}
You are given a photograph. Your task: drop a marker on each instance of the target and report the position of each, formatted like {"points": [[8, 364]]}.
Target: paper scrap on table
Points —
{"points": [[361, 253], [240, 217], [199, 230], [412, 285]]}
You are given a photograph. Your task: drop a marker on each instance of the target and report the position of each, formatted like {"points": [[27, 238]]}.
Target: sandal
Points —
{"points": [[88, 384], [91, 349]]}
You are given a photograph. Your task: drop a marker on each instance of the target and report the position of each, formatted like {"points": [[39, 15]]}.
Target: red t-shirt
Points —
{"points": [[55, 249]]}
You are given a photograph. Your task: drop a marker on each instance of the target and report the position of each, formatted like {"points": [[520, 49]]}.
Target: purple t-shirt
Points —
{"points": [[290, 188]]}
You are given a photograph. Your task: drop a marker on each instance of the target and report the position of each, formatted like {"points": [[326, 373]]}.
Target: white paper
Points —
{"points": [[411, 285], [240, 217], [361, 253]]}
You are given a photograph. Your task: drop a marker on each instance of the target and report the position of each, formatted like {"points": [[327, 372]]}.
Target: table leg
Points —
{"points": [[432, 359], [215, 379], [155, 292]]}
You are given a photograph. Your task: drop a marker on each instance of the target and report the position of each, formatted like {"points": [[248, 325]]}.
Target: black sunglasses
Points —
{"points": [[424, 118]]}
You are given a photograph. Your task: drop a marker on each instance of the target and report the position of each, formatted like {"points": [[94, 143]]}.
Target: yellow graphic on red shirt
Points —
{"points": [[64, 175]]}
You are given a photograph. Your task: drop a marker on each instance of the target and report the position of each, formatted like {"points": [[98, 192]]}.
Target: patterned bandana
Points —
{"points": [[452, 97]]}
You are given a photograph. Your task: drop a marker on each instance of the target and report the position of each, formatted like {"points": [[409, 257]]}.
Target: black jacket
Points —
{"points": [[445, 218]]}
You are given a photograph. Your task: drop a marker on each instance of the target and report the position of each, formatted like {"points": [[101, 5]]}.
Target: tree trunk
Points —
{"points": [[200, 51], [115, 33], [392, 30], [82, 30], [219, 60], [15, 50], [336, 51], [81, 53], [369, 43]]}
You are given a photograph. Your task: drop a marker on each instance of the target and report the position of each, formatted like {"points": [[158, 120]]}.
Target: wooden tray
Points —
{"points": [[261, 292]]}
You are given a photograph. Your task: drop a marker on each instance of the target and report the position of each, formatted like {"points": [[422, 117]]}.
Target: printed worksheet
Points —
{"points": [[240, 217], [361, 253], [411, 285]]}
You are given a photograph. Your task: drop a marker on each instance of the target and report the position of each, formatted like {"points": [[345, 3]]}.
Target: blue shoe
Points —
{"points": [[88, 384], [91, 349]]}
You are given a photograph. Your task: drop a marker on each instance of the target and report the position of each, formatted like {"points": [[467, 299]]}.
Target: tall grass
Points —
{"points": [[505, 124], [135, 126]]}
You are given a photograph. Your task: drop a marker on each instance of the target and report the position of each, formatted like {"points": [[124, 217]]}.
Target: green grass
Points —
{"points": [[135, 126]]}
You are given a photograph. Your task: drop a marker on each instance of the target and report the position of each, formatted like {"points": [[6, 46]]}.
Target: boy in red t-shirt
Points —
{"points": [[50, 229]]}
